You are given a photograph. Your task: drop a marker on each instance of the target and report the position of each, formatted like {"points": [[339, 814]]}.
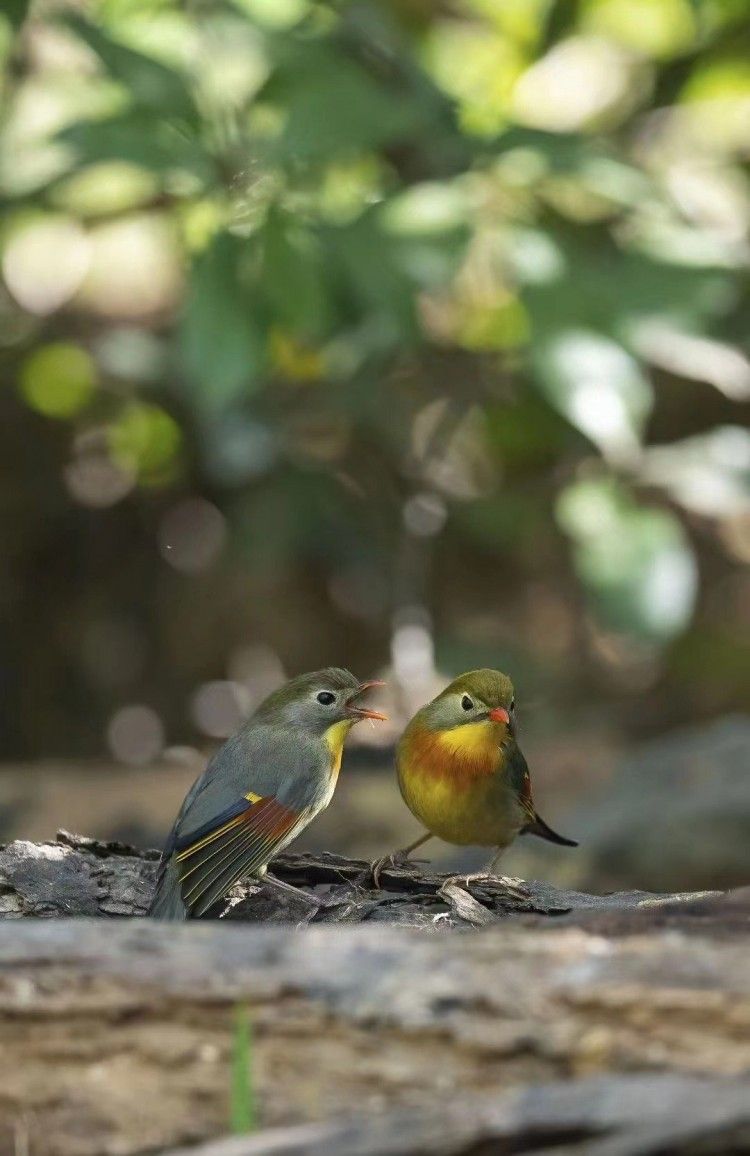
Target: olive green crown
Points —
{"points": [[333, 678], [491, 687]]}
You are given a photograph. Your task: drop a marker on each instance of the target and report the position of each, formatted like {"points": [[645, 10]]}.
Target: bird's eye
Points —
{"points": [[466, 703], [326, 698], [512, 704]]}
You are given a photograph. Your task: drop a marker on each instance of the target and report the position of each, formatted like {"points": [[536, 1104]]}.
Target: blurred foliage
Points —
{"points": [[442, 306]]}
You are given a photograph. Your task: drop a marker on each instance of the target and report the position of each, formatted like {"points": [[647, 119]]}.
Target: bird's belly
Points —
{"points": [[484, 813]]}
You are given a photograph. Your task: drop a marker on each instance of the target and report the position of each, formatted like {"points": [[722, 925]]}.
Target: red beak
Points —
{"points": [[364, 711], [499, 714]]}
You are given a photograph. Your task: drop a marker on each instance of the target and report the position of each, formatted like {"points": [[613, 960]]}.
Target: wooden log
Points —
{"points": [[79, 876], [601, 1116], [117, 1034]]}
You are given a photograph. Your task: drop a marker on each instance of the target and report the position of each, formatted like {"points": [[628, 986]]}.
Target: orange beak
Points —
{"points": [[364, 711], [499, 714]]}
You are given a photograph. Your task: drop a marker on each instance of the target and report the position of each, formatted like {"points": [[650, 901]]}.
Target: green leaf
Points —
{"points": [[222, 337], [294, 276], [334, 107], [151, 84], [137, 138], [635, 563], [16, 11], [374, 286], [708, 473], [146, 439], [597, 386], [579, 278]]}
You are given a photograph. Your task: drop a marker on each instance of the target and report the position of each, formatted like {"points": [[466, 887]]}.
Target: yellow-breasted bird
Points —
{"points": [[259, 791], [462, 773]]}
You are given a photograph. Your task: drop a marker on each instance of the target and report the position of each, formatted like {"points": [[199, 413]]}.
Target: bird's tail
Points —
{"points": [[167, 902], [537, 826]]}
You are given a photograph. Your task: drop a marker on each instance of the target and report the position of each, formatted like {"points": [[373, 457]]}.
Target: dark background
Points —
{"points": [[405, 336]]}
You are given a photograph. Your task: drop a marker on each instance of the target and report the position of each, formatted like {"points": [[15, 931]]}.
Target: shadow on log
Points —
{"points": [[528, 1034]]}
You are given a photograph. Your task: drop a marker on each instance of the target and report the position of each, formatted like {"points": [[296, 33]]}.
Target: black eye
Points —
{"points": [[326, 698], [466, 703], [512, 704]]}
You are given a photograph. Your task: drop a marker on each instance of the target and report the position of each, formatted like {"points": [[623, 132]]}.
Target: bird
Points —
{"points": [[259, 791], [462, 773]]}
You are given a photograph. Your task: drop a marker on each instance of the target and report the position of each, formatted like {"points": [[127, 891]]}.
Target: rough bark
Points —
{"points": [[117, 1034], [79, 876]]}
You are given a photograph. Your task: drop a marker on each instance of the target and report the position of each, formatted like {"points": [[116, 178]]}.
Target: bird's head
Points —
{"points": [[477, 696], [318, 701]]}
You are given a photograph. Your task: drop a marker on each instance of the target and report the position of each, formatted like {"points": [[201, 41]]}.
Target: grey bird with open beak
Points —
{"points": [[260, 790]]}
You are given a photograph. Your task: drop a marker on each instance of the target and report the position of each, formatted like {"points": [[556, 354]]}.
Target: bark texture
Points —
{"points": [[568, 1023]]}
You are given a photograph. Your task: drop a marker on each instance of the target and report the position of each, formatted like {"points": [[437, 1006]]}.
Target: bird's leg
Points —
{"points": [[297, 892], [396, 858], [515, 887]]}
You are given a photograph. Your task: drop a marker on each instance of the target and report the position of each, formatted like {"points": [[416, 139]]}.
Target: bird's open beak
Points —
{"points": [[499, 714], [364, 711]]}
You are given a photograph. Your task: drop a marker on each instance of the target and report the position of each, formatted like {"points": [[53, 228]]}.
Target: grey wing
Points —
{"points": [[264, 761], [257, 792]]}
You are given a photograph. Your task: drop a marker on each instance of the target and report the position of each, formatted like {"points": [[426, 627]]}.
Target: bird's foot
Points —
{"points": [[395, 859], [514, 887]]}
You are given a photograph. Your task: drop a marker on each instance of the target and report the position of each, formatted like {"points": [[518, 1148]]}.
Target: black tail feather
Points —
{"points": [[538, 827]]}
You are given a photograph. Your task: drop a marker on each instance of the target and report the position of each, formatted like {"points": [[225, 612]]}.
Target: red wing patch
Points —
{"points": [[212, 864]]}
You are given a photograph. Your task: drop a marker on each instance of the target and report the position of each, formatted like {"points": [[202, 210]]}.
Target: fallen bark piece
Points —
{"points": [[465, 906], [620, 1115]]}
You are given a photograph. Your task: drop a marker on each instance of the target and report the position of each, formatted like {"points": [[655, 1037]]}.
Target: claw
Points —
{"points": [[379, 865], [395, 859], [514, 887]]}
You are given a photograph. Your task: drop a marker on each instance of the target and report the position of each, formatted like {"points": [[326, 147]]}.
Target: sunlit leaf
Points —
{"points": [[146, 440], [103, 189], [634, 562], [549, 95], [58, 380], [715, 101], [274, 13], [719, 78], [500, 323], [150, 84], [598, 387], [483, 85], [425, 209], [709, 473], [658, 28]]}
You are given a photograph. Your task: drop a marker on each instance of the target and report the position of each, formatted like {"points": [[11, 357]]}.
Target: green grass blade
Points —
{"points": [[242, 1109]]}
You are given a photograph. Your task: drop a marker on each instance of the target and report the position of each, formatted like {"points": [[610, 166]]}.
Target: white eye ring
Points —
{"points": [[466, 703]]}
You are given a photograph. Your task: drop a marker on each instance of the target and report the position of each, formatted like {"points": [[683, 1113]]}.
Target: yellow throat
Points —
{"points": [[334, 738], [471, 740]]}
